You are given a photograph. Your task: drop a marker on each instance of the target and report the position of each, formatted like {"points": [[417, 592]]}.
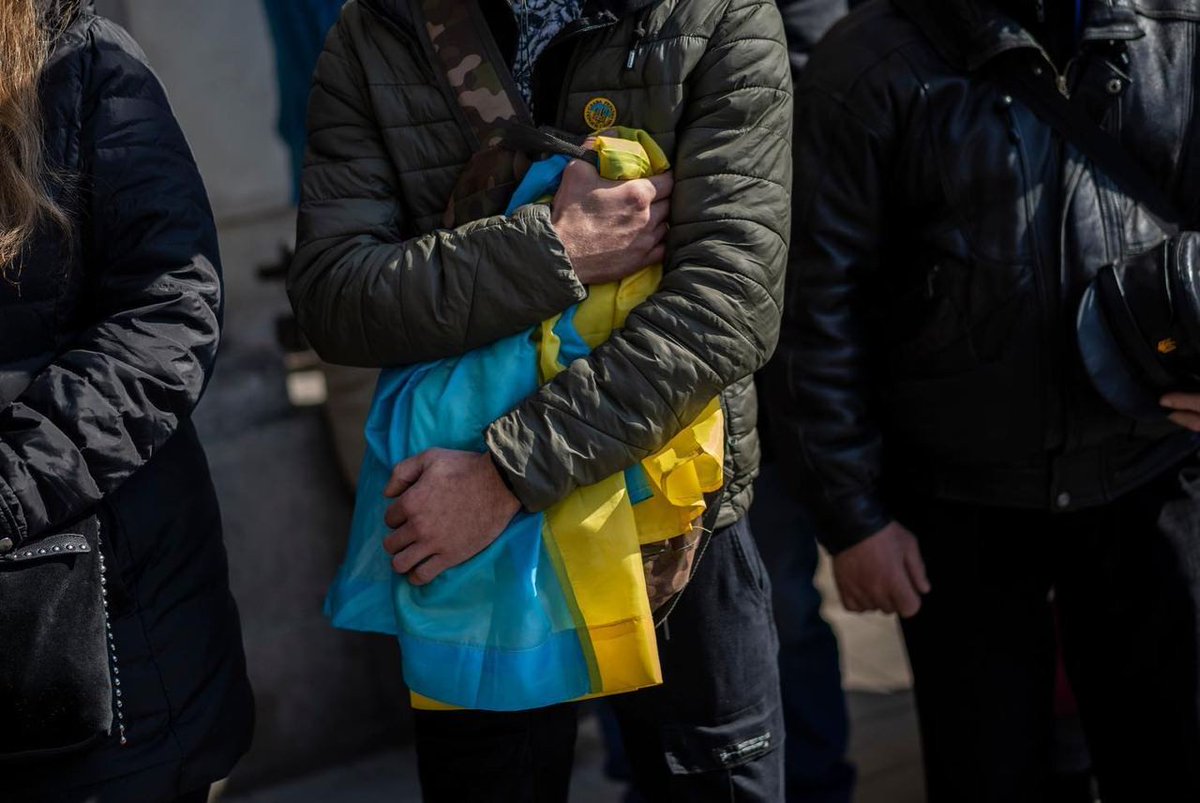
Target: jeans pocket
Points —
{"points": [[751, 569], [748, 736]]}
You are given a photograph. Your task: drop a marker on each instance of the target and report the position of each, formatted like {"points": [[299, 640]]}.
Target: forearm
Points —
{"points": [[714, 319], [364, 301]]}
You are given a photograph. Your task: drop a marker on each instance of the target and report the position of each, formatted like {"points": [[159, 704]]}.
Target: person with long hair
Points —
{"points": [[110, 307]]}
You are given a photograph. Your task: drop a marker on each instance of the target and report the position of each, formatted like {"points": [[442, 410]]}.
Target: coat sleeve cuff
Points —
{"points": [[850, 521], [512, 450], [545, 250]]}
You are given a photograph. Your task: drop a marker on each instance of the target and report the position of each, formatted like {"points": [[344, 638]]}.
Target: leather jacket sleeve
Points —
{"points": [[820, 383]]}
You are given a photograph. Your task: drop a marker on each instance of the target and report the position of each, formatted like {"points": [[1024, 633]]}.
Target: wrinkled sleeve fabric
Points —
{"points": [[715, 318], [819, 384], [118, 392], [366, 296]]}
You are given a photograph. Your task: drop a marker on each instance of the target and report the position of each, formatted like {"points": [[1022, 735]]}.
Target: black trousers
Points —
{"points": [[814, 705], [1124, 581], [712, 732]]}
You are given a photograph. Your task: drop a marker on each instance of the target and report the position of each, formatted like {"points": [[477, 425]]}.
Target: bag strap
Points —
{"points": [[487, 105], [1068, 118], [457, 36], [486, 102]]}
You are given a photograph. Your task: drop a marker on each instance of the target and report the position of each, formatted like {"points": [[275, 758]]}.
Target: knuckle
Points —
{"points": [[641, 195]]}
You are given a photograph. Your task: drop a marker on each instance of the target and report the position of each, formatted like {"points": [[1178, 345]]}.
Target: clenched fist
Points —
{"points": [[611, 229]]}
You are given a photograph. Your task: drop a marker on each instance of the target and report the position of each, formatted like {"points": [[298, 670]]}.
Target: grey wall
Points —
{"points": [[322, 695]]}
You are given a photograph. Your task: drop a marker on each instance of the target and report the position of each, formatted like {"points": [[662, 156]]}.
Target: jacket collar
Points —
{"points": [[970, 33]]}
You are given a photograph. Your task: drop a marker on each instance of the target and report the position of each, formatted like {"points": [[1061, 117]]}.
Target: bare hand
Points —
{"points": [[449, 507], [611, 229], [1186, 408], [883, 573]]}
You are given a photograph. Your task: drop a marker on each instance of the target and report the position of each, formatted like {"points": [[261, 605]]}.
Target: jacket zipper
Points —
{"points": [[639, 35], [1060, 78], [1052, 313], [1042, 278], [114, 663]]}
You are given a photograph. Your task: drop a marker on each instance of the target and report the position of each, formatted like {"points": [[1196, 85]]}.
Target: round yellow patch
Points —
{"points": [[600, 114]]}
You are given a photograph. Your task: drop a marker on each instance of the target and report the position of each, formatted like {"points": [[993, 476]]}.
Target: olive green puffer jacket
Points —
{"points": [[376, 282]]}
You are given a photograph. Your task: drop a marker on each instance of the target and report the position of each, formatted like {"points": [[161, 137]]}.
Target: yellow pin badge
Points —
{"points": [[600, 114]]}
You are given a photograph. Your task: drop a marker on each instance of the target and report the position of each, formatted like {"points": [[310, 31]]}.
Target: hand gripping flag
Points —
{"points": [[555, 609]]}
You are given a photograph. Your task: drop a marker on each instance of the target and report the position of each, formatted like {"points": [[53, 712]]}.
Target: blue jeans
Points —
{"points": [[814, 706]]}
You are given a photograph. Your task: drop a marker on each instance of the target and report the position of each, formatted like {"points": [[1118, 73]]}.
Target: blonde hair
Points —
{"points": [[26, 33]]}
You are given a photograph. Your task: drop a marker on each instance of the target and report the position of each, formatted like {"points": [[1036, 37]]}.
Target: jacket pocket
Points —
{"points": [[957, 319], [988, 414], [750, 735]]}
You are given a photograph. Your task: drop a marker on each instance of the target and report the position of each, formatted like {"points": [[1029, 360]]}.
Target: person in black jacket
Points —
{"points": [[933, 401], [109, 315]]}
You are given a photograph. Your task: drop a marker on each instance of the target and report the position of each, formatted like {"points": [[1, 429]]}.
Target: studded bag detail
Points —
{"points": [[59, 677]]}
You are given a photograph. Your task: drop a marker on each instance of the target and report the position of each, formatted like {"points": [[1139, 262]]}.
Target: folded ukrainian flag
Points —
{"points": [[556, 608]]}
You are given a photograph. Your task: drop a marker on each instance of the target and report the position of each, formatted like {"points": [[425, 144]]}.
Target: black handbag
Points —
{"points": [[58, 671], [59, 687]]}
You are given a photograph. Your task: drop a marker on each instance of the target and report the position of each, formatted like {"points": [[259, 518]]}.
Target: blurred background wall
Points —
{"points": [[217, 62], [323, 696]]}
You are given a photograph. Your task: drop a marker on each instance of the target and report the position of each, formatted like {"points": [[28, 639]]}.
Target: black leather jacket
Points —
{"points": [[943, 235]]}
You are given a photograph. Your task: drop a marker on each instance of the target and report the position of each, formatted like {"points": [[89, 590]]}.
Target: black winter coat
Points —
{"points": [[106, 343], [943, 237]]}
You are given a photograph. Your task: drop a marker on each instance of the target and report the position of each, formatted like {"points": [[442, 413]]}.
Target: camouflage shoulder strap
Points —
{"points": [[465, 53]]}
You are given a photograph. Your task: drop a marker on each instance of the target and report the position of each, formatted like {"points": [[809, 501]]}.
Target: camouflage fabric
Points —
{"points": [[462, 45]]}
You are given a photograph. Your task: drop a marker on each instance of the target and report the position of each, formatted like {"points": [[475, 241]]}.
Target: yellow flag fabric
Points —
{"points": [[594, 536]]}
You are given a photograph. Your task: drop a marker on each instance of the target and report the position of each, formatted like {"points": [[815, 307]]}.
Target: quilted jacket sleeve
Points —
{"points": [[112, 397], [715, 318], [821, 401], [365, 295]]}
